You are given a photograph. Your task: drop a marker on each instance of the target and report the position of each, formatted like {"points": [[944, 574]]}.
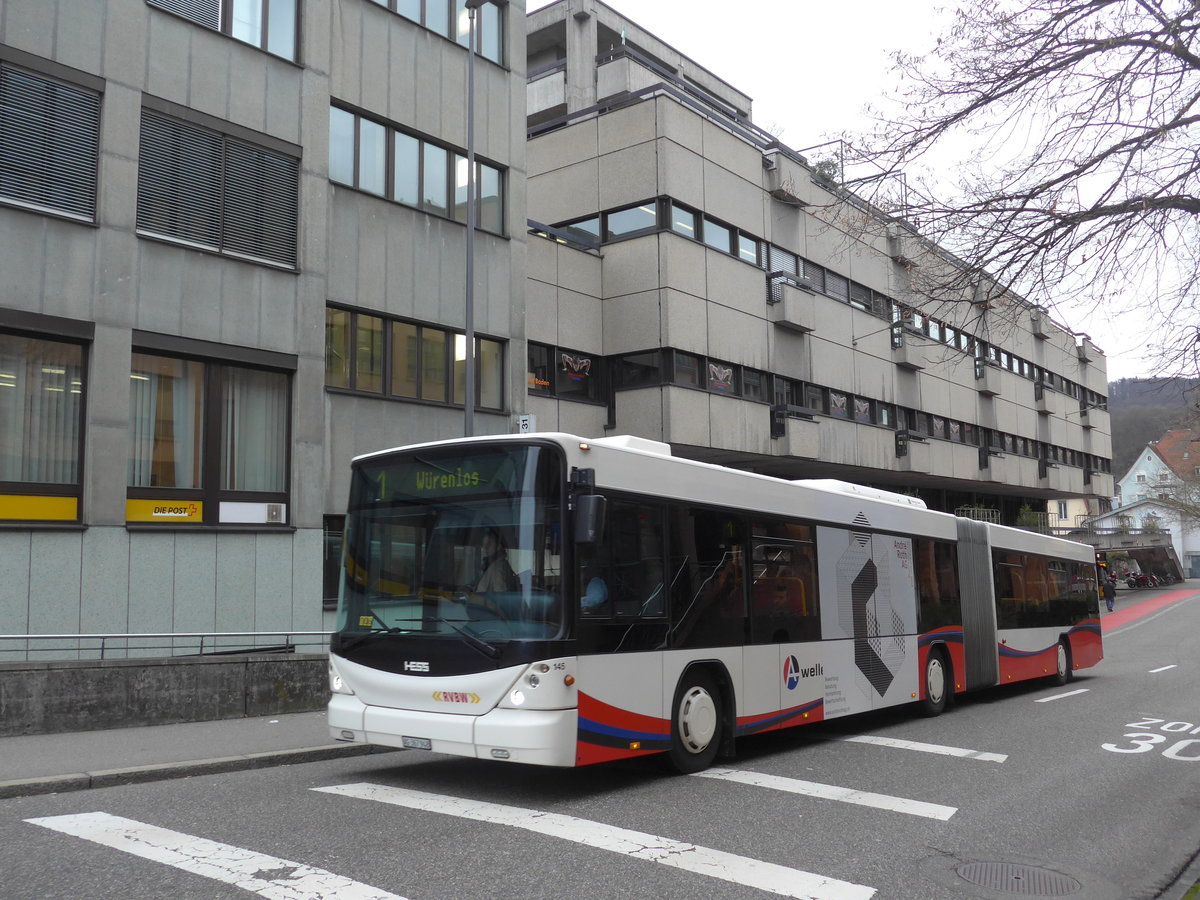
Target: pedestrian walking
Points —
{"points": [[1109, 591]]}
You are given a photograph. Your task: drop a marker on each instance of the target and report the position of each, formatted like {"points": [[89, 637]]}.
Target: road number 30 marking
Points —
{"points": [[1187, 749]]}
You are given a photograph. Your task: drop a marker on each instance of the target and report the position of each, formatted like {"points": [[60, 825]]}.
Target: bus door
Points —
{"points": [[978, 604]]}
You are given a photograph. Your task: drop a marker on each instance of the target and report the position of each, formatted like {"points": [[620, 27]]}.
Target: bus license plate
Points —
{"points": [[414, 743]]}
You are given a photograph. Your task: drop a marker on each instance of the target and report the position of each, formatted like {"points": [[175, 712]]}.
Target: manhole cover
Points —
{"points": [[1013, 878]]}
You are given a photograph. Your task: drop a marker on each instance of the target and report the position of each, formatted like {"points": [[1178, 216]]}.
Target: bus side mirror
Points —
{"points": [[590, 510]]}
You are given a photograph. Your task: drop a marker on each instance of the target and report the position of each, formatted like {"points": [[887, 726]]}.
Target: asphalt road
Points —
{"points": [[1090, 791]]}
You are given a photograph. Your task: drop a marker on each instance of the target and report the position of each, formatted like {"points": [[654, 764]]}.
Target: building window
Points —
{"points": [[267, 24], [210, 190], [634, 220], [49, 143], [565, 374], [717, 236], [640, 369], [41, 427], [208, 442], [683, 221], [408, 360], [333, 533], [449, 19], [367, 155]]}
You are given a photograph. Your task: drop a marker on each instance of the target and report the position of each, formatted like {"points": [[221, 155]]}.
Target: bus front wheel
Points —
{"points": [[937, 684], [695, 723], [1063, 672]]}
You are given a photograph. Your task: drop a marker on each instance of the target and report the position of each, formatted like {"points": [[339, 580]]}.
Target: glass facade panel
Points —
{"points": [[281, 28], [491, 200], [246, 21], [368, 353], [41, 398], [628, 221], [687, 370], [460, 368], [166, 403], [716, 236], [410, 9], [372, 156], [407, 150], [748, 249], [434, 181], [337, 348], [437, 16], [539, 376], [490, 40], [460, 188], [405, 359], [683, 221], [433, 365], [491, 374]]}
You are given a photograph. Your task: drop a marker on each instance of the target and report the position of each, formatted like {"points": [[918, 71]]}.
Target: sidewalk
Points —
{"points": [[52, 763]]}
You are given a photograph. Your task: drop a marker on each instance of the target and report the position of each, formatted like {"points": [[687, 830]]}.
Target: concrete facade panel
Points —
{"points": [[685, 322], [273, 586], [55, 560], [169, 62], [541, 305], [641, 412], [632, 267], [566, 193], [686, 416], [195, 589], [729, 196], [682, 264], [70, 264], [628, 127], [234, 609], [151, 582], [22, 249], [632, 323], [681, 174], [735, 284], [307, 557], [565, 147], [628, 176], [579, 321], [583, 419], [209, 85], [247, 96], [739, 425], [733, 154], [832, 364], [15, 554], [104, 601], [202, 287], [160, 288], [736, 336]]}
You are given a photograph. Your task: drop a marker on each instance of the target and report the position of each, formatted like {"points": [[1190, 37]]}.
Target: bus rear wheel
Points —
{"points": [[937, 683], [696, 723], [1063, 671]]}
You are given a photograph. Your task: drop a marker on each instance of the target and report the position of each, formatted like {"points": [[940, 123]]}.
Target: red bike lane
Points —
{"points": [[1144, 608]]}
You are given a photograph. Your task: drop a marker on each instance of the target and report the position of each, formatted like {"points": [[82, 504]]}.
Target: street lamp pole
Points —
{"points": [[469, 368]]}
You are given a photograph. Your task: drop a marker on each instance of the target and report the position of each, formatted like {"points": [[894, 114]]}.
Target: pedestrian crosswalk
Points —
{"points": [[273, 877]]}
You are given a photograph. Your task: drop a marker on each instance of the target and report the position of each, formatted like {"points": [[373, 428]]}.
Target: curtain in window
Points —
{"points": [[165, 425], [254, 425], [41, 388]]}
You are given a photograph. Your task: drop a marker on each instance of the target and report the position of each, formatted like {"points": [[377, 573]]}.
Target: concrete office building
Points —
{"points": [[696, 284], [232, 250]]}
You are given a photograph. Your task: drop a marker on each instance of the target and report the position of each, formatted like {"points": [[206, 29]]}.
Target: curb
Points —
{"points": [[82, 781]]}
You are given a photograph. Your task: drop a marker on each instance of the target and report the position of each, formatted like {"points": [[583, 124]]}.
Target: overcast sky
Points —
{"points": [[811, 68]]}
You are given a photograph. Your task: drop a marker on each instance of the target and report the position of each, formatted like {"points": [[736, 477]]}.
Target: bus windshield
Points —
{"points": [[455, 541]]}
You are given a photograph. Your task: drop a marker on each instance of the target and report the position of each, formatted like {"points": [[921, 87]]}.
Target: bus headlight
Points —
{"points": [[336, 683], [517, 697]]}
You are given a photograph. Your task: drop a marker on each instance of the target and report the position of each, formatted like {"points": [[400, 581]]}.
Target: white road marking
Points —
{"points": [[832, 792], [1060, 696], [267, 876], [1161, 669], [636, 844], [926, 748]]}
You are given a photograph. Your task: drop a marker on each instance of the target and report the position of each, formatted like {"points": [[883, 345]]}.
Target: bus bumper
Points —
{"points": [[537, 736]]}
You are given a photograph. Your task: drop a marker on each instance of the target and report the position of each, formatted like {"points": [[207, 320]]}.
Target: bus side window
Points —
{"points": [[623, 576], [708, 582], [783, 592]]}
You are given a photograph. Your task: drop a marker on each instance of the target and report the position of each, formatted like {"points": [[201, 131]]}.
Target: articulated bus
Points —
{"points": [[562, 601]]}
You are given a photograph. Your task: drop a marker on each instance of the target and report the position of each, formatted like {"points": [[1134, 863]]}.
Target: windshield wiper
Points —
{"points": [[475, 643]]}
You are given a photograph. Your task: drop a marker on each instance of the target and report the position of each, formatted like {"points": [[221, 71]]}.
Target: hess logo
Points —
{"points": [[416, 666]]}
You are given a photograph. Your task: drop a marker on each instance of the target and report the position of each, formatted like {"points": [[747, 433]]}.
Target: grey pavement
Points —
{"points": [[50, 763]]}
